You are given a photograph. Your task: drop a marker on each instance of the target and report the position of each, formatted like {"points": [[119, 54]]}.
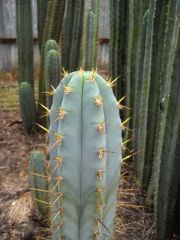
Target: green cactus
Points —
{"points": [[166, 195], [41, 15], [95, 7], [38, 180], [144, 96], [27, 106], [52, 71], [118, 28], [166, 161], [52, 30], [85, 154], [90, 43], [139, 83], [24, 41], [139, 33], [73, 26]]}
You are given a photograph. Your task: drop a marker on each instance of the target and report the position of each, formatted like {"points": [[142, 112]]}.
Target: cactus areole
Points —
{"points": [[85, 155]]}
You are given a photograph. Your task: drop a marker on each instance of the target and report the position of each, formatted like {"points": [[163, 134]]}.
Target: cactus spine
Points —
{"points": [[84, 173], [27, 106], [24, 40], [39, 182]]}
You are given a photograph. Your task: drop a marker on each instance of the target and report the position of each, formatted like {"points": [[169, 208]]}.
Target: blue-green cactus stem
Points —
{"points": [[84, 173]]}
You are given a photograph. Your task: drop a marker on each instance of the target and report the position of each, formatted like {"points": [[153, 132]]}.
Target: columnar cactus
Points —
{"points": [[52, 68], [153, 102], [85, 154], [95, 7], [90, 44], [27, 106], [38, 179], [52, 30], [41, 16], [73, 26], [166, 157], [24, 40], [145, 91]]}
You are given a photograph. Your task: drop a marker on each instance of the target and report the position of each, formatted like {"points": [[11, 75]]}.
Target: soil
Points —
{"points": [[19, 217]]}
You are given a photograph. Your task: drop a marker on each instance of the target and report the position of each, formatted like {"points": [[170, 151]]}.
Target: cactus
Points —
{"points": [[27, 106], [90, 44], [144, 97], [52, 71], [52, 30], [38, 172], [95, 5], [166, 161], [139, 33], [24, 40], [85, 154], [41, 15], [73, 26], [158, 37]]}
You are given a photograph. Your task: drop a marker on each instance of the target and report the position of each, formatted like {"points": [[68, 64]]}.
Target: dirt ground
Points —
{"points": [[19, 218]]}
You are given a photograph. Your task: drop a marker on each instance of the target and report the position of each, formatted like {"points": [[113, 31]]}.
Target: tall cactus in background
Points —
{"points": [[38, 180], [139, 38], [90, 43], [41, 15], [52, 67], [73, 26], [85, 154], [52, 30], [95, 7], [24, 41], [168, 179], [138, 84], [78, 14], [153, 102], [27, 106], [144, 95], [166, 164], [118, 28]]}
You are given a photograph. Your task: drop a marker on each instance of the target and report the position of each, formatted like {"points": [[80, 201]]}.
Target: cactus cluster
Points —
{"points": [[152, 90]]}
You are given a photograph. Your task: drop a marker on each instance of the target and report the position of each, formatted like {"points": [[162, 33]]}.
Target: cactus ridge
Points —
{"points": [[84, 180]]}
